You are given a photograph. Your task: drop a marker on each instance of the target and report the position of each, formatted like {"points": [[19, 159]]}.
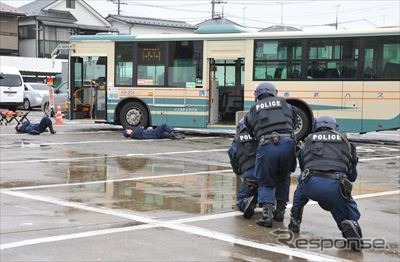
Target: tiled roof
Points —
{"points": [[4, 8], [34, 8], [56, 15], [218, 21], [279, 28], [150, 21]]}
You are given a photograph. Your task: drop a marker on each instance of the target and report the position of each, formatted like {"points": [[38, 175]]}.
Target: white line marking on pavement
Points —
{"points": [[75, 236], [106, 156], [169, 224], [116, 141], [378, 158], [63, 133], [378, 194], [174, 224], [288, 206], [107, 141], [118, 180]]}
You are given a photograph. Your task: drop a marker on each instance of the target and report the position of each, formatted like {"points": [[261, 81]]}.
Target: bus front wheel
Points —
{"points": [[303, 124], [134, 114]]}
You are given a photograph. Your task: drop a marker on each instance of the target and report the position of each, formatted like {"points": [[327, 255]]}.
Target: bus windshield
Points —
{"points": [[10, 80]]}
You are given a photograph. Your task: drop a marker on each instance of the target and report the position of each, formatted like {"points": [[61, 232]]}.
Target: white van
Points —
{"points": [[11, 88]]}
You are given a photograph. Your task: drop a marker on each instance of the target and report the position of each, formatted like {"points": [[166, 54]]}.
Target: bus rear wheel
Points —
{"points": [[303, 124], [134, 114]]}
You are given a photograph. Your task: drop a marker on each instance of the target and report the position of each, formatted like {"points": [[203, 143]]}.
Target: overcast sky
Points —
{"points": [[304, 14]]}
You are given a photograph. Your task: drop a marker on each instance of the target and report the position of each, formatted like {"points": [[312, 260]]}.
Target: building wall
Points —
{"points": [[27, 47], [144, 29], [80, 12], [8, 34], [139, 29]]}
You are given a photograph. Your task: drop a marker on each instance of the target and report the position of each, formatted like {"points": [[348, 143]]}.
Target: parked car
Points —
{"points": [[33, 94], [11, 88], [60, 99]]}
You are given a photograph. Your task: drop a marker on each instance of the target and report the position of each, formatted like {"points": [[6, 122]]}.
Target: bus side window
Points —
{"points": [[391, 70]]}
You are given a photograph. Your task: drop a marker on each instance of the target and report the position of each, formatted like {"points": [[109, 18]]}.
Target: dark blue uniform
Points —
{"points": [[271, 120], [326, 152], [161, 131], [242, 156], [274, 162], [36, 129]]}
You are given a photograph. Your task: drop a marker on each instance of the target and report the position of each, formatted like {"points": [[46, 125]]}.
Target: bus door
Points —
{"points": [[88, 87], [226, 89]]}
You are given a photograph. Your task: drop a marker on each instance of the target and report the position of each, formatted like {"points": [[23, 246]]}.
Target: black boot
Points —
{"points": [[295, 219], [250, 205], [279, 212], [52, 131], [352, 232], [266, 220]]}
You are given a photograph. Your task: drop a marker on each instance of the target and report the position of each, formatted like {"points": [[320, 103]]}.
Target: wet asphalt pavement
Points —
{"points": [[89, 194]]}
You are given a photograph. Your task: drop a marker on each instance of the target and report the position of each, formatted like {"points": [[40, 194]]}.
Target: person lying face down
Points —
{"points": [[36, 129], [160, 132]]}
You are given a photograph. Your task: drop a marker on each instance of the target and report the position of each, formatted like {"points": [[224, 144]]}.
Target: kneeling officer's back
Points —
{"points": [[242, 155], [328, 164], [271, 121]]}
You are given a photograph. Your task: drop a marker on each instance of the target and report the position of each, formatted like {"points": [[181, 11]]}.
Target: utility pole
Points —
{"points": [[118, 3], [281, 13], [244, 14], [337, 16], [213, 3]]}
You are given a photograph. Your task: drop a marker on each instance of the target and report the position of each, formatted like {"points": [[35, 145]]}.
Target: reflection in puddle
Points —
{"points": [[202, 193]]}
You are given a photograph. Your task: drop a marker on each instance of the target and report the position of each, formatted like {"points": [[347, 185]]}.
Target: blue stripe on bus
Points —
{"points": [[368, 125]]}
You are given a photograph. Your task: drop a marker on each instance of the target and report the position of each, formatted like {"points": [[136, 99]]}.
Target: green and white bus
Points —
{"points": [[201, 80]]}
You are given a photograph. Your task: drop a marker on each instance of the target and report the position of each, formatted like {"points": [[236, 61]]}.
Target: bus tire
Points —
{"points": [[27, 104], [134, 114], [303, 124]]}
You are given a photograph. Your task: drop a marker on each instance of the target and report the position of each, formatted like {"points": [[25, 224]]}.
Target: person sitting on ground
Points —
{"points": [[161, 131], [36, 129]]}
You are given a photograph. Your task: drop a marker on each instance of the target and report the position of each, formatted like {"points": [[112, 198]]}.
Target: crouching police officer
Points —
{"points": [[271, 121], [328, 164], [242, 155]]}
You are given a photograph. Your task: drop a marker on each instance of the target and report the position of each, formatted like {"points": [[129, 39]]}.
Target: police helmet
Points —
{"points": [[240, 126], [327, 122], [265, 88]]}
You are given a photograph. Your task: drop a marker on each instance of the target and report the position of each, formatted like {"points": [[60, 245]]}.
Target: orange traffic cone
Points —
{"points": [[59, 116]]}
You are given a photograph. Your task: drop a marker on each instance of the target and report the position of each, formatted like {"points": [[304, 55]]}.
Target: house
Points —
{"points": [[279, 28], [51, 22], [9, 17], [219, 25], [133, 25]]}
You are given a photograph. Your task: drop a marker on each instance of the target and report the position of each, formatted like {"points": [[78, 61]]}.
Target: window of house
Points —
{"points": [[332, 59], [70, 4], [185, 65], [27, 32], [123, 64], [151, 64], [277, 59], [382, 58]]}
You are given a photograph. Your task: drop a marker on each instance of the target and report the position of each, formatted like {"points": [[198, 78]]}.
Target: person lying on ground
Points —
{"points": [[160, 132], [36, 129]]}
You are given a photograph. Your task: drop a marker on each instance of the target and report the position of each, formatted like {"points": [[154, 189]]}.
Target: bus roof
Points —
{"points": [[237, 36]]}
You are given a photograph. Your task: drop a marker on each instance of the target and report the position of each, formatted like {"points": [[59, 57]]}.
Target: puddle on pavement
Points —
{"points": [[201, 193]]}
